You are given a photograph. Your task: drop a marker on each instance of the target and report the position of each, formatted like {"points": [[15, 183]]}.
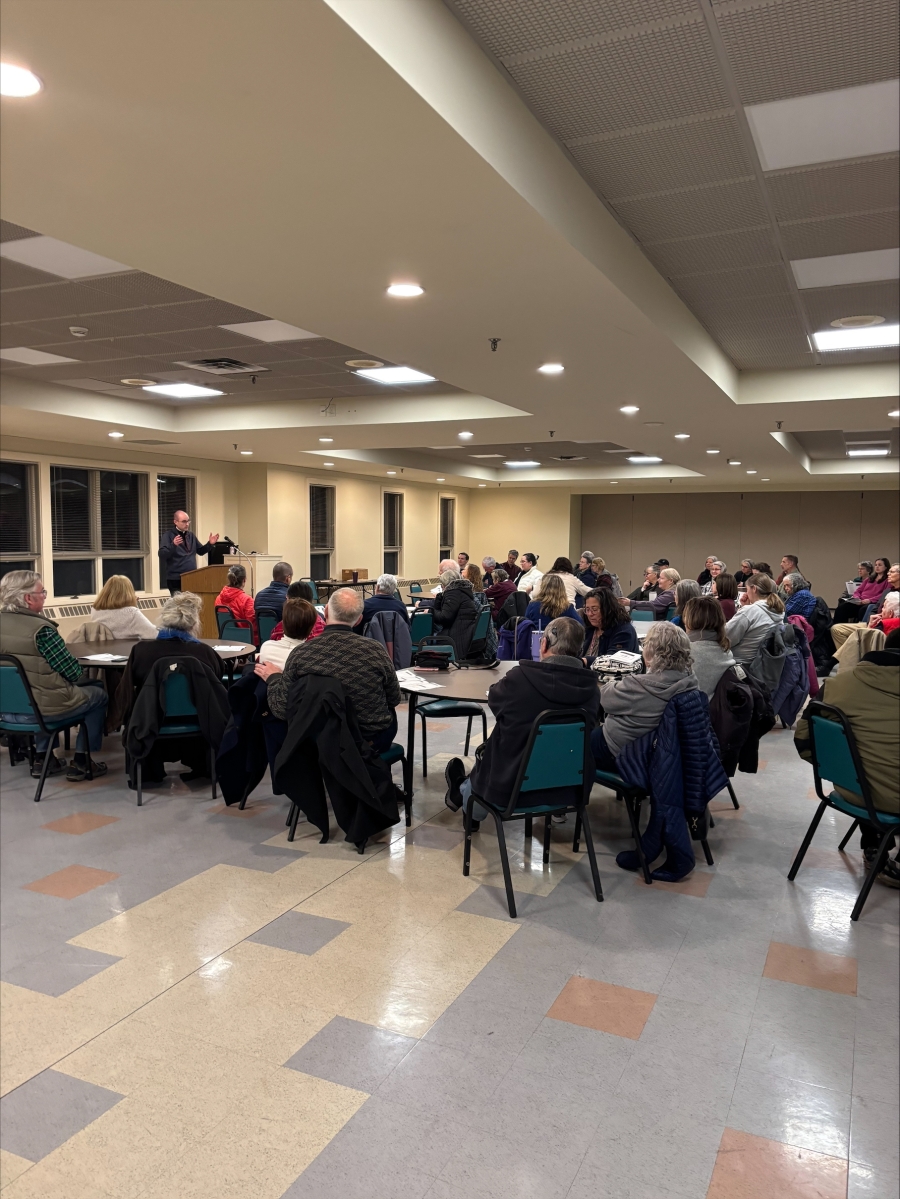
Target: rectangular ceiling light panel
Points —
{"points": [[270, 331], [871, 338], [59, 258], [395, 375], [851, 122], [29, 357], [869, 266]]}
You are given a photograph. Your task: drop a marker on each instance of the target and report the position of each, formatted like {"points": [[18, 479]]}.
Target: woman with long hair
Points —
{"points": [[754, 620], [685, 589], [704, 623], [725, 589], [608, 625], [563, 569], [551, 603]]}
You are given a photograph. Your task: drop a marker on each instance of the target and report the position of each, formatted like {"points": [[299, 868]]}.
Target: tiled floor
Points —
{"points": [[193, 1008]]}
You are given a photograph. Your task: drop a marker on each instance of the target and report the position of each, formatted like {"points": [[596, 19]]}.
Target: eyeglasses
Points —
{"points": [[43, 592]]}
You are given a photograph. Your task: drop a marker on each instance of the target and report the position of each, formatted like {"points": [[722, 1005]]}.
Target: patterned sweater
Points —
{"points": [[360, 665]]}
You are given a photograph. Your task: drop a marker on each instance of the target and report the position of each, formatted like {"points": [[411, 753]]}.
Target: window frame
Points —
{"points": [[33, 516], [446, 550], [315, 550], [399, 518]]}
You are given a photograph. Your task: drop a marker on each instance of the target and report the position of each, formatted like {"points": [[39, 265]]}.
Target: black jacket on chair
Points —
{"points": [[324, 745], [741, 714], [251, 741]]}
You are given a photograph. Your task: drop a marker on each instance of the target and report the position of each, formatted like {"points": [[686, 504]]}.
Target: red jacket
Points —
{"points": [[240, 604], [317, 630]]}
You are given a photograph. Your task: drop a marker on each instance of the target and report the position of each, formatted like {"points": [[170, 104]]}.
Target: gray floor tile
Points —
{"points": [[265, 857], [567, 1050], [440, 1078], [792, 1112], [299, 932], [433, 836], [352, 1054], [873, 1135], [865, 1183], [491, 901], [41, 1114], [488, 1166], [58, 970], [818, 1059]]}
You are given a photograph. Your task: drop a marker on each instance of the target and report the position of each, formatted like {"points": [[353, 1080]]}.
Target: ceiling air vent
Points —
{"points": [[570, 458], [223, 366], [148, 441]]}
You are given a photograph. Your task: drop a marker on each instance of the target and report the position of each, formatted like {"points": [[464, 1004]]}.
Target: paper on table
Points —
{"points": [[106, 657], [245, 646], [410, 681]]}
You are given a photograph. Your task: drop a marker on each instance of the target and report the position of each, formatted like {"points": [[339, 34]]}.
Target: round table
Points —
{"points": [[83, 651]]}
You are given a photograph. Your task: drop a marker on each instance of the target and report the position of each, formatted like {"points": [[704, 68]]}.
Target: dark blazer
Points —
{"points": [[179, 559], [620, 636]]}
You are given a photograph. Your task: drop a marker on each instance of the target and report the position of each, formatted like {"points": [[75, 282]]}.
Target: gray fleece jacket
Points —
{"points": [[634, 705], [748, 629], [710, 660]]}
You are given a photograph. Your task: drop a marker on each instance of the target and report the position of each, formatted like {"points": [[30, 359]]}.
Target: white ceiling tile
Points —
{"points": [[848, 123], [269, 331], [59, 258], [871, 266], [29, 357]]}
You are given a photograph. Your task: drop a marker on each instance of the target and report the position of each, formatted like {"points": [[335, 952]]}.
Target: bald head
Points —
{"points": [[181, 520]]}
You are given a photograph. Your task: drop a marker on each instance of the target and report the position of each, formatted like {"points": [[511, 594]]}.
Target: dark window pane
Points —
{"points": [[120, 510], [448, 521], [70, 508], [321, 519], [15, 508], [24, 564], [320, 566], [73, 576], [131, 568], [173, 492], [391, 562], [393, 520]]}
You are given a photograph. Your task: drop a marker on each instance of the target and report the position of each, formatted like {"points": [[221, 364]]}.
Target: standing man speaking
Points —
{"points": [[178, 549]]}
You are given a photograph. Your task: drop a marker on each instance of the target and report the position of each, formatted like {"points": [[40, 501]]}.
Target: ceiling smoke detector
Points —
{"points": [[223, 366], [857, 322], [78, 330], [363, 364], [138, 382]]}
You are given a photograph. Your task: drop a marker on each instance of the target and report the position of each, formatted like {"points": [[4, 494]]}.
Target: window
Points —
{"points": [[321, 531], [393, 531], [448, 526], [173, 493], [98, 524], [18, 523]]}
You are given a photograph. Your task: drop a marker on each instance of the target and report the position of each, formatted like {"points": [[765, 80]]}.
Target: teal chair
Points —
{"points": [[396, 754], [17, 699], [835, 757], [315, 590], [267, 619], [415, 592], [439, 709], [181, 720], [231, 627], [639, 614], [421, 626], [479, 636], [558, 754], [632, 797], [670, 615]]}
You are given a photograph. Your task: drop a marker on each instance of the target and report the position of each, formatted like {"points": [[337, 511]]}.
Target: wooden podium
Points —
{"points": [[208, 581]]}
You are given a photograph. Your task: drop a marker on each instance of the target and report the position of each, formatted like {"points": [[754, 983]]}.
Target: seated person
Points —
{"points": [[869, 696], [685, 589], [552, 603], [669, 578], [499, 591], [234, 597], [563, 569], [447, 566], [799, 600], [511, 565], [870, 591], [116, 606], [725, 590], [359, 664], [488, 566], [558, 681], [716, 568], [271, 598], [650, 583], [475, 577], [705, 575], [604, 579], [300, 590], [385, 599], [298, 621], [704, 623], [587, 572], [789, 564], [885, 618], [608, 624], [741, 576], [56, 678], [455, 612], [634, 705], [754, 620], [529, 576]]}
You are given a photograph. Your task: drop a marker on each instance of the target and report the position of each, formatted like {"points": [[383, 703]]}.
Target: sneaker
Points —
{"points": [[454, 776], [56, 766], [889, 874], [78, 773], [559, 818]]}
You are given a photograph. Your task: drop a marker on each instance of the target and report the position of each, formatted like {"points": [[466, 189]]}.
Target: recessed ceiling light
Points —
{"points": [[482, 484], [614, 480], [328, 464], [856, 322], [644, 459], [18, 81], [734, 462], [895, 412], [765, 480], [29, 357], [395, 374], [361, 364], [465, 434], [248, 452], [270, 331], [834, 270], [682, 436], [523, 462], [630, 409], [868, 453], [138, 382], [551, 368], [405, 289], [326, 439], [857, 339], [183, 391], [114, 434], [713, 451], [59, 258], [440, 480], [653, 424], [752, 472]]}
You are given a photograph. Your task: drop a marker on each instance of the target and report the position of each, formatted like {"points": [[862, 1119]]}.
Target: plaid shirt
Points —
{"points": [[52, 648]]}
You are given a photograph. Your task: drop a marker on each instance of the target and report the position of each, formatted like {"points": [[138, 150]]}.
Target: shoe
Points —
{"points": [[559, 818], [56, 766], [454, 776], [78, 773], [889, 874]]}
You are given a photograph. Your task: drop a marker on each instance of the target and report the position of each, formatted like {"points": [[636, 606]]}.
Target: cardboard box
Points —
{"points": [[360, 572]]}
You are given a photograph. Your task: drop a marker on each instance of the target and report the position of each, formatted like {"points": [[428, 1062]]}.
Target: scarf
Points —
{"points": [[174, 635]]}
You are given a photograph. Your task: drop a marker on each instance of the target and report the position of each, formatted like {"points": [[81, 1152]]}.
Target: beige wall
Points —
{"points": [[529, 520], [828, 530]]}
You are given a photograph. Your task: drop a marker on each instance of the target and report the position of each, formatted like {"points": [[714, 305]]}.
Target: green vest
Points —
{"points": [[53, 694]]}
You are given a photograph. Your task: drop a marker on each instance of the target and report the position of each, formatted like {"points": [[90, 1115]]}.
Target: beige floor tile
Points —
{"points": [[811, 968], [34, 1033], [80, 822], [697, 884], [43, 1182], [591, 1004], [12, 1166], [71, 881], [749, 1167]]}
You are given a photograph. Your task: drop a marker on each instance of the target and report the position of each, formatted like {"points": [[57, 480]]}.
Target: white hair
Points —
{"points": [[449, 576], [14, 586], [182, 611], [448, 564], [345, 606], [666, 647], [386, 584], [489, 563]]}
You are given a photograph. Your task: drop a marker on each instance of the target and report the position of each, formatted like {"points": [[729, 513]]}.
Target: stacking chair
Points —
{"points": [[180, 721], [632, 797], [17, 699], [429, 708], [415, 589], [479, 635], [558, 754], [396, 753], [421, 626], [231, 626], [835, 757], [642, 614], [267, 619], [312, 584]]}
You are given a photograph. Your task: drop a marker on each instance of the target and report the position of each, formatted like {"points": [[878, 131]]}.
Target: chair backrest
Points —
{"points": [[235, 630], [670, 615], [557, 755], [415, 589], [835, 756], [312, 584], [267, 619], [178, 696], [481, 628], [223, 614], [422, 625], [15, 691], [638, 614]]}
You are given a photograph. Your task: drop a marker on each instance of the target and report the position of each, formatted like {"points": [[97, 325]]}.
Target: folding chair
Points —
{"points": [[632, 797], [178, 722], [267, 619], [17, 699], [835, 757], [415, 589], [396, 753], [639, 614], [421, 626], [429, 708], [231, 626], [558, 754]]}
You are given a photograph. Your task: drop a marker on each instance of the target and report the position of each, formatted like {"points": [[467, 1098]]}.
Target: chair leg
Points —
{"points": [[467, 828], [504, 859], [67, 739], [483, 726], [90, 761], [528, 828], [44, 768], [424, 748], [589, 842], [212, 770], [576, 840], [468, 737], [883, 849], [810, 833], [850, 831], [293, 817], [406, 766], [706, 852], [634, 817], [546, 857], [137, 781], [734, 798]]}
